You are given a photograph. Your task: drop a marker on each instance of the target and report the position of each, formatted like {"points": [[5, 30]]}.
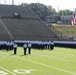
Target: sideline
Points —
{"points": [[70, 72]]}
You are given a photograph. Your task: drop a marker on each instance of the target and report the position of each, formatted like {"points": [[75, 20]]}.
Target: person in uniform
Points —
{"points": [[7, 46], [25, 48], [15, 48], [0, 45], [10, 45], [51, 45], [29, 48]]}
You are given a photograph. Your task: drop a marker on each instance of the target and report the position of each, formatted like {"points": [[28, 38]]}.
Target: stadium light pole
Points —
{"points": [[0, 1], [12, 2]]}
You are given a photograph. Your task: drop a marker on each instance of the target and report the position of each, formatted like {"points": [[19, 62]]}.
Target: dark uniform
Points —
{"points": [[15, 48], [25, 48], [11, 45], [29, 48], [7, 46], [51, 45], [0, 45]]}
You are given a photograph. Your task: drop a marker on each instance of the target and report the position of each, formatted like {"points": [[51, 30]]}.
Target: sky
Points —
{"points": [[57, 4]]}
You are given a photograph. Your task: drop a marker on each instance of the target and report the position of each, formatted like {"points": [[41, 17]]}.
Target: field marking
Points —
{"points": [[70, 72], [8, 70], [3, 73], [54, 57], [24, 71], [48, 66], [65, 54]]}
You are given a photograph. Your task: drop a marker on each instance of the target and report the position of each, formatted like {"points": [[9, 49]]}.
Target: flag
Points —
{"points": [[74, 19], [72, 22]]}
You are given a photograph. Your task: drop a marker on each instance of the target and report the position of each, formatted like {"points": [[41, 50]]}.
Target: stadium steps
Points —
{"points": [[8, 10], [19, 27], [3, 32], [29, 27]]}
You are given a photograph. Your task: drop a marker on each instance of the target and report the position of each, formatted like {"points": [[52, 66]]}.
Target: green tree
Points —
{"points": [[51, 11], [61, 12], [65, 12], [24, 4], [68, 12], [40, 9]]}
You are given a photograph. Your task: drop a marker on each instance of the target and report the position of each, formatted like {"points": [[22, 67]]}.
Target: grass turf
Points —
{"points": [[66, 30], [60, 61]]}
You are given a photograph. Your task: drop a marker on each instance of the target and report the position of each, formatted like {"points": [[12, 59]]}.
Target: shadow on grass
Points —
{"points": [[23, 55], [20, 55], [12, 54], [4, 50]]}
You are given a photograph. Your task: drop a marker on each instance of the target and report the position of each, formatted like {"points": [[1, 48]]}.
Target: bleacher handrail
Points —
{"points": [[56, 31]]}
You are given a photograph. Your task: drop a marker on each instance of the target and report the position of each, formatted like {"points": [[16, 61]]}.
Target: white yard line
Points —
{"points": [[71, 55], [48, 66], [8, 70], [70, 72], [54, 57]]}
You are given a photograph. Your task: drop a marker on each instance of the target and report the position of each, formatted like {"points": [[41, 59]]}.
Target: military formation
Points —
{"points": [[65, 44], [37, 45], [6, 45], [27, 45]]}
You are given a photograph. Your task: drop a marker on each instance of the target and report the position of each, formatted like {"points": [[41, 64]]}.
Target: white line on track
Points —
{"points": [[8, 70], [70, 72]]}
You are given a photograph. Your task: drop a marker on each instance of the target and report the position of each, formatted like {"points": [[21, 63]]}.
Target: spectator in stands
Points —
{"points": [[29, 48], [25, 48], [15, 48]]}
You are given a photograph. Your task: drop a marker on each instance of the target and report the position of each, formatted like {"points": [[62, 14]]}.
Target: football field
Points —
{"points": [[60, 61]]}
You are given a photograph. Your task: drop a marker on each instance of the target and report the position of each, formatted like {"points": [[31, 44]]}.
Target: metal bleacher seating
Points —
{"points": [[28, 27]]}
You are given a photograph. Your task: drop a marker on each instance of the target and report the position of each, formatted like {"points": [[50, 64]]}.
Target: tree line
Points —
{"points": [[42, 10]]}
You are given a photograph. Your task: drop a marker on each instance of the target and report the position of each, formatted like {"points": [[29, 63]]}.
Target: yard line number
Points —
{"points": [[19, 71], [3, 73]]}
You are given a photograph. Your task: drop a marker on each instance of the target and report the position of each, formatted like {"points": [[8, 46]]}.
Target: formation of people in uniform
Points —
{"points": [[6, 45], [38, 45], [66, 44], [27, 45], [41, 45]]}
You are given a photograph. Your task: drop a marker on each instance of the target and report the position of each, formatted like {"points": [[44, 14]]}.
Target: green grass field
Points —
{"points": [[66, 30], [60, 61]]}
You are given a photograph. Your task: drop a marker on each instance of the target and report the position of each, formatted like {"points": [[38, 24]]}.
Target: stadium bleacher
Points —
{"points": [[28, 27]]}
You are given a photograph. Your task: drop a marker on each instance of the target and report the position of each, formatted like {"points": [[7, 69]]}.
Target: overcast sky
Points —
{"points": [[61, 4]]}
